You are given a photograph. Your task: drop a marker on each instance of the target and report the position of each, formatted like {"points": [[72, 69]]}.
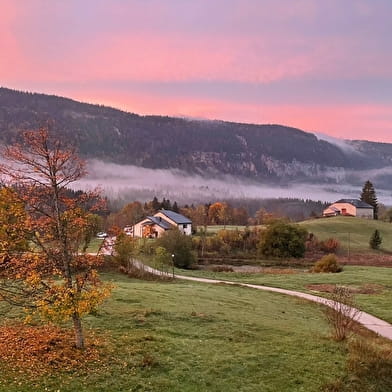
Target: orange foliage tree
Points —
{"points": [[44, 233], [219, 213]]}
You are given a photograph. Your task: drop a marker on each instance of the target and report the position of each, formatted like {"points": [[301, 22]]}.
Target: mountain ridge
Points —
{"points": [[262, 152]]}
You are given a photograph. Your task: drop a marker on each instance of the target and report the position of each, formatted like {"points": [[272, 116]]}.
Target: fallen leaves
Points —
{"points": [[37, 350]]}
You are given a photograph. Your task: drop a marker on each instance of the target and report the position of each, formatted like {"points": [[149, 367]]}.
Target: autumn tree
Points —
{"points": [[128, 215], [43, 247], [368, 195], [240, 216], [225, 214], [219, 213], [263, 217], [14, 241]]}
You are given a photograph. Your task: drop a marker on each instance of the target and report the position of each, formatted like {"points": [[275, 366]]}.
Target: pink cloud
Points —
{"points": [[63, 44], [9, 46], [350, 121], [147, 41]]}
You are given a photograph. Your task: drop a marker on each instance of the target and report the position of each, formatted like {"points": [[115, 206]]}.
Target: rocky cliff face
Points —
{"points": [[271, 153]]}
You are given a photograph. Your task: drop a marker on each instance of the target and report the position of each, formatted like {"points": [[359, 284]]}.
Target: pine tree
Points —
{"points": [[155, 204], [368, 195], [375, 240]]}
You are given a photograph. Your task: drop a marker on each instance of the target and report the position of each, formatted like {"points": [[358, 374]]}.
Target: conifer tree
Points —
{"points": [[155, 204], [368, 195], [375, 240]]}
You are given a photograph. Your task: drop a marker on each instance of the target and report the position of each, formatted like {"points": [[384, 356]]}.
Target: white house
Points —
{"points": [[350, 207], [154, 226]]}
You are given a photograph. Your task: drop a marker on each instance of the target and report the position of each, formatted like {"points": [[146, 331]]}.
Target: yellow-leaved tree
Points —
{"points": [[44, 232]]}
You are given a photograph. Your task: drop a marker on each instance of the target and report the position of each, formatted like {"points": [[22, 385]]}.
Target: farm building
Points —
{"points": [[154, 226], [350, 207]]}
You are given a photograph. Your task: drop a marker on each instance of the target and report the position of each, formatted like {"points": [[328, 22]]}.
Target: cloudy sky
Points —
{"points": [[318, 65]]}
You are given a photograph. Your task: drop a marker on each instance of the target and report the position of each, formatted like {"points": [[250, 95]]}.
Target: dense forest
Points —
{"points": [[224, 212]]}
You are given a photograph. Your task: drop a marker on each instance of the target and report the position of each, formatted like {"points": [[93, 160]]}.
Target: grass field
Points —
{"points": [[212, 229], [350, 231], [94, 245], [353, 232], [194, 337], [378, 304]]}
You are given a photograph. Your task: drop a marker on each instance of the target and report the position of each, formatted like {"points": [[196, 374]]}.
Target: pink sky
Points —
{"points": [[318, 66]]}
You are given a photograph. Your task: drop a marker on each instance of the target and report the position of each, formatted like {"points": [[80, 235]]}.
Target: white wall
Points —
{"points": [[185, 230], [365, 213]]}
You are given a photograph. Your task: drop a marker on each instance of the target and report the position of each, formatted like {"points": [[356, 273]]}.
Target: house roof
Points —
{"points": [[175, 217], [356, 203], [332, 208], [160, 222]]}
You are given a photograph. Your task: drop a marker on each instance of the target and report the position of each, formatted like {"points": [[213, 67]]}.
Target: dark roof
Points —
{"points": [[174, 216], [160, 222], [355, 202]]}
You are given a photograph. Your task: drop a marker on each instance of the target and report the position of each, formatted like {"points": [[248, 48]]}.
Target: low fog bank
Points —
{"points": [[136, 183], [344, 145]]}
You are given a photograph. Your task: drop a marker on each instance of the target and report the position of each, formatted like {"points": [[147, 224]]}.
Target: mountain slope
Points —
{"points": [[261, 152]]}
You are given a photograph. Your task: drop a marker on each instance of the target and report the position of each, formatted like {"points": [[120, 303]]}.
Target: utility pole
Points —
{"points": [[173, 264]]}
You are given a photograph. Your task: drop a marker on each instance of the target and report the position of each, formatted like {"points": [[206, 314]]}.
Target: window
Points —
{"points": [[184, 226]]}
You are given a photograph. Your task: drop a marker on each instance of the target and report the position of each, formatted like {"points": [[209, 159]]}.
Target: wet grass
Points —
{"points": [[378, 304], [195, 337]]}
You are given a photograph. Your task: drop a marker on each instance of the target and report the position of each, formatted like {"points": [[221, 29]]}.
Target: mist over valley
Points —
{"points": [[136, 157], [130, 182]]}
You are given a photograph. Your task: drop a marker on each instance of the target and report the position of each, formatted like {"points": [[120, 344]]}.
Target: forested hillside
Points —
{"points": [[272, 152]]}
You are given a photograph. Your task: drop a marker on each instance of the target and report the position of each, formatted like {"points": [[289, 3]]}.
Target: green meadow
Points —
{"points": [[378, 278], [351, 232], [164, 336]]}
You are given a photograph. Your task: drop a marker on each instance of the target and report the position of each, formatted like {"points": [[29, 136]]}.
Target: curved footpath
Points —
{"points": [[370, 322]]}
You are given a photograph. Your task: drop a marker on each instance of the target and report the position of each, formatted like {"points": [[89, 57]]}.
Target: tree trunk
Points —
{"points": [[79, 338]]}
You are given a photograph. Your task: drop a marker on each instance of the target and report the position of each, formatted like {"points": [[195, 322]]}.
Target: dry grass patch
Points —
{"points": [[368, 368], [251, 269], [143, 273], [363, 289], [280, 271]]}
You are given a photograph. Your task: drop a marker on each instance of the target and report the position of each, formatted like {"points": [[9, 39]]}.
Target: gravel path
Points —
{"points": [[370, 322]]}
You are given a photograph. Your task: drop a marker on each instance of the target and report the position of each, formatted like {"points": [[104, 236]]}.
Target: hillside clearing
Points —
{"points": [[353, 233]]}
